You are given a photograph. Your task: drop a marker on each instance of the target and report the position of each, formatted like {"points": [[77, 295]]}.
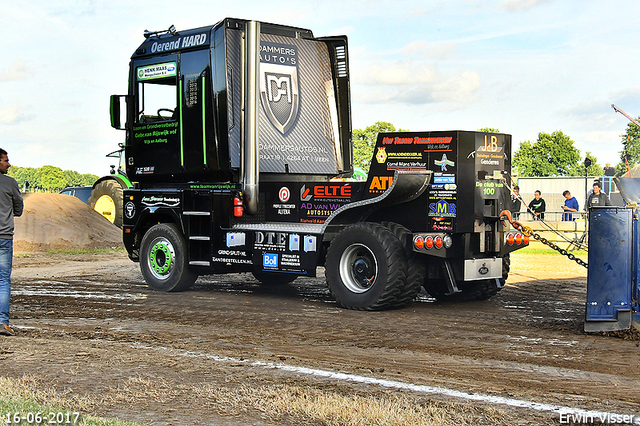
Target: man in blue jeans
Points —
{"points": [[11, 205]]}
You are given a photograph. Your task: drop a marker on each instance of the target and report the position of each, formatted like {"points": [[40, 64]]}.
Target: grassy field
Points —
{"points": [[25, 401]]}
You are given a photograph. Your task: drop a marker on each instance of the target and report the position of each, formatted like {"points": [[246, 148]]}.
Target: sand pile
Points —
{"points": [[62, 222]]}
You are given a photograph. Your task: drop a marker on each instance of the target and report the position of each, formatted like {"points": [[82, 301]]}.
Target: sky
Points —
{"points": [[520, 66]]}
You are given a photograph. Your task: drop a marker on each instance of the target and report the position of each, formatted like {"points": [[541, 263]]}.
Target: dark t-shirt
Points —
{"points": [[538, 206], [598, 200]]}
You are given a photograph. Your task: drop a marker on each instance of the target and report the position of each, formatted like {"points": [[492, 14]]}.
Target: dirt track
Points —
{"points": [[89, 325]]}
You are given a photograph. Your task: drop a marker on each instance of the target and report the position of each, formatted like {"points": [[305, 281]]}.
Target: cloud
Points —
{"points": [[17, 71], [521, 5], [415, 46], [14, 113], [417, 83], [423, 48], [343, 31]]}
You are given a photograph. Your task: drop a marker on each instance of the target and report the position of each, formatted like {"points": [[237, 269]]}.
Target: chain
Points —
{"points": [[529, 233]]}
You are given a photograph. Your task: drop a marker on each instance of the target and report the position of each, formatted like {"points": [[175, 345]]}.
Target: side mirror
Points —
{"points": [[118, 114]]}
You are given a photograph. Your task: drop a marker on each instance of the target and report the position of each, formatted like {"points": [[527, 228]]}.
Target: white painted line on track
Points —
{"points": [[569, 413]]}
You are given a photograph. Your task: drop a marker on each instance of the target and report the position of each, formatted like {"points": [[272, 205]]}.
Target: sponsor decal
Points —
{"points": [[155, 201], [294, 242], [305, 193], [442, 224], [332, 191], [404, 155], [428, 144], [129, 210], [444, 187], [442, 209], [231, 260], [155, 133], [236, 239], [489, 153], [269, 260], [444, 179], [279, 93], [270, 240], [444, 162], [381, 155], [284, 194], [310, 243], [150, 72], [489, 188], [406, 165], [216, 186], [483, 269], [380, 183], [148, 170], [291, 260], [281, 241], [232, 253], [180, 43], [325, 192]]}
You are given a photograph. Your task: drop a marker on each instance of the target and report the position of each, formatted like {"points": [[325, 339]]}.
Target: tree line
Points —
{"points": [[552, 154], [49, 178]]}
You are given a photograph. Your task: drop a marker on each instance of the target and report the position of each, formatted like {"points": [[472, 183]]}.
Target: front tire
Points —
{"points": [[107, 198], [163, 259], [366, 267]]}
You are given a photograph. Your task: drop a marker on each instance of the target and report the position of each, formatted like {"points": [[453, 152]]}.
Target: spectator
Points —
{"points": [[608, 170], [11, 205], [597, 198], [570, 205], [516, 203], [538, 206]]}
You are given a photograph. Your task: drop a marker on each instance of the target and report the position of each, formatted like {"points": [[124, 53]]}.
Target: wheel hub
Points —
{"points": [[362, 271], [358, 268], [161, 258], [106, 207]]}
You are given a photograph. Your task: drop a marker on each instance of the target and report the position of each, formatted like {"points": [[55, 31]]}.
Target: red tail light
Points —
{"points": [[418, 242], [438, 242], [510, 239], [428, 242], [518, 239]]}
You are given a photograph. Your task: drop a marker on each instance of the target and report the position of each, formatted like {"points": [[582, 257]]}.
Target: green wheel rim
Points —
{"points": [[161, 258]]}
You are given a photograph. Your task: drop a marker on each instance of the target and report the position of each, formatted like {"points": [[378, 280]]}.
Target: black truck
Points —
{"points": [[238, 144]]}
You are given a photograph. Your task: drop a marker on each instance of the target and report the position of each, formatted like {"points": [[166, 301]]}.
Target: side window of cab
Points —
{"points": [[156, 86]]}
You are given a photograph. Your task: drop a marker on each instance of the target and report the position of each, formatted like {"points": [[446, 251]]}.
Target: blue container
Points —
{"points": [[613, 269]]}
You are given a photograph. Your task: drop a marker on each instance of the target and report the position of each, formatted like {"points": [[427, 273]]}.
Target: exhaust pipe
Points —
{"points": [[251, 99]]}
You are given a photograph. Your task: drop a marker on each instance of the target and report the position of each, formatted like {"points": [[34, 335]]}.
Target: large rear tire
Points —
{"points": [[163, 259], [416, 266], [366, 267], [107, 198]]}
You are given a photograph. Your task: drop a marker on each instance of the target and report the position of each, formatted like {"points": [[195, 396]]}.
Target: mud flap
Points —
{"points": [[452, 287]]}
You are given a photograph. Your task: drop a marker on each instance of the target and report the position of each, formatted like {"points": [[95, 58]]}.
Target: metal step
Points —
{"points": [[196, 213], [300, 228], [199, 238], [199, 263]]}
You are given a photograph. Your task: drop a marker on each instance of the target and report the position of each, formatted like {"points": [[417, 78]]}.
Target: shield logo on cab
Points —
{"points": [[279, 84]]}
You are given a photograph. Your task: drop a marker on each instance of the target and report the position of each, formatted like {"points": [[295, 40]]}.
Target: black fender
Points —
{"points": [[407, 185]]}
